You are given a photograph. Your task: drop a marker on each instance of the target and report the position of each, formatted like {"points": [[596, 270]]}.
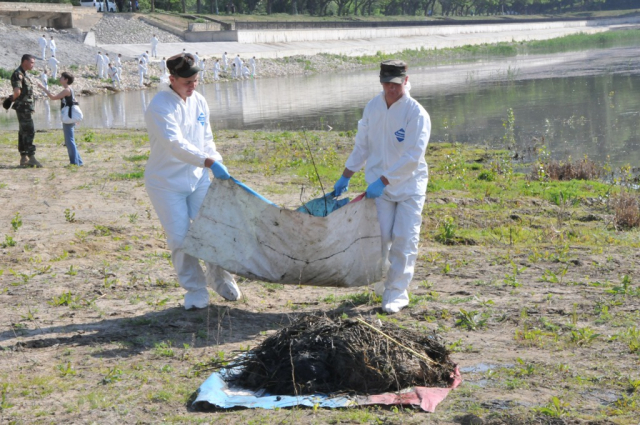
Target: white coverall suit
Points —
{"points": [[142, 70], [216, 71], [115, 76], [99, 65], [225, 62], [238, 62], [43, 45], [154, 46], [181, 139], [53, 66], [52, 47], [392, 142], [105, 65]]}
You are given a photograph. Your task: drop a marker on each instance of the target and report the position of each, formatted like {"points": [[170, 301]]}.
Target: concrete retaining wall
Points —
{"points": [[207, 26], [210, 36], [285, 36], [53, 15], [334, 34]]}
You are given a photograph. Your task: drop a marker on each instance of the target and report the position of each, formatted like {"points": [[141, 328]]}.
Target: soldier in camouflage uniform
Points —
{"points": [[24, 106]]}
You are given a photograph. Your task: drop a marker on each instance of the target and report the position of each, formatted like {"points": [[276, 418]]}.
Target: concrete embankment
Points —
{"points": [[368, 41]]}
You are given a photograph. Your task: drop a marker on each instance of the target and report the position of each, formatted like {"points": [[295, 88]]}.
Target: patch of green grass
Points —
{"points": [[136, 158], [134, 175]]}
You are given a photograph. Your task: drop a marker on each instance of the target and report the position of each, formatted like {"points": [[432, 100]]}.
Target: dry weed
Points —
{"points": [[584, 169], [626, 208]]}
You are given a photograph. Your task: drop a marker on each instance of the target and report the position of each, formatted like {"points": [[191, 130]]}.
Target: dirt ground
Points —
{"points": [[92, 328]]}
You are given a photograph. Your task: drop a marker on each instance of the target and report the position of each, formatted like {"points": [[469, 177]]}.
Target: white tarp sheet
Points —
{"points": [[252, 238]]}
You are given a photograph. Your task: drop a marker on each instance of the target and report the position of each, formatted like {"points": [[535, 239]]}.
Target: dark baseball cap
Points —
{"points": [[182, 65], [393, 71]]}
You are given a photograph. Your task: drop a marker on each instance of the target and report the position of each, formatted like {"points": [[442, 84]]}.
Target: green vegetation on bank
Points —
{"points": [[475, 196], [561, 44]]}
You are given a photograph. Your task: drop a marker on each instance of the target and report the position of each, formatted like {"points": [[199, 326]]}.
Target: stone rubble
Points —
{"points": [[125, 28]]}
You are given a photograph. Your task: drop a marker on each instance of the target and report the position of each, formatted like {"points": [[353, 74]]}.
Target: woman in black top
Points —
{"points": [[67, 99]]}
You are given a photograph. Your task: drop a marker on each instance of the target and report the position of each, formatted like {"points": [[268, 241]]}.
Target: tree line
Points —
{"points": [[387, 7]]}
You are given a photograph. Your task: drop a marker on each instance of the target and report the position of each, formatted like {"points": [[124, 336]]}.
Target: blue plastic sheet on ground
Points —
{"points": [[217, 392], [323, 206]]}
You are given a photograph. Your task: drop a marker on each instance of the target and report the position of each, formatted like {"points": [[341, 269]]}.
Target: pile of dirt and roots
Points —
{"points": [[320, 354]]}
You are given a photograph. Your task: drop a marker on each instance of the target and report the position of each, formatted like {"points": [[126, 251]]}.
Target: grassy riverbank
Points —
{"points": [[533, 284], [629, 37]]}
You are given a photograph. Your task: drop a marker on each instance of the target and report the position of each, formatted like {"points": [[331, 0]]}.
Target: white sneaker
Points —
{"points": [[198, 298], [223, 283], [394, 300]]}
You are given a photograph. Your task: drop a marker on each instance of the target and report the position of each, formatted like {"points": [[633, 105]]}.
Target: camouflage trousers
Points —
{"points": [[26, 133]]}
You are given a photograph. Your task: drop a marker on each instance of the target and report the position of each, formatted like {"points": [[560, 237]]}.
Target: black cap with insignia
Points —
{"points": [[393, 71]]}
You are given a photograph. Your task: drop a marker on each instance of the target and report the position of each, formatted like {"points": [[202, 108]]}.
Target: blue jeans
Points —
{"points": [[69, 141]]}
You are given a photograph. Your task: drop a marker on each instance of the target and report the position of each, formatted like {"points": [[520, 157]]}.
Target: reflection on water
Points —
{"points": [[578, 103]]}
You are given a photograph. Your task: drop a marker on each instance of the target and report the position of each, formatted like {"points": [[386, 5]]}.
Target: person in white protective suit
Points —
{"points": [[252, 63], [202, 65], [44, 77], [176, 177], [99, 64], [114, 75], [216, 70], [53, 66], [118, 63], [163, 67], [52, 46], [225, 61], [391, 141], [154, 46], [105, 64], [245, 72], [142, 70], [238, 69], [42, 42]]}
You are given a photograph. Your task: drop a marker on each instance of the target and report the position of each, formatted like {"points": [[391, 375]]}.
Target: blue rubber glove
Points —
{"points": [[220, 171], [375, 189], [341, 186]]}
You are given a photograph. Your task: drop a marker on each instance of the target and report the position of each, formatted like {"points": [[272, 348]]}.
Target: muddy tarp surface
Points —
{"points": [[251, 237]]}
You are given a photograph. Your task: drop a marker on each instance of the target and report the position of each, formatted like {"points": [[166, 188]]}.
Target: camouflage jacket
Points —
{"points": [[25, 102]]}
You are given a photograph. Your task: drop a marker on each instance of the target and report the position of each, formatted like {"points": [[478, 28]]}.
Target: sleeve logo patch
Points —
{"points": [[202, 119], [400, 135]]}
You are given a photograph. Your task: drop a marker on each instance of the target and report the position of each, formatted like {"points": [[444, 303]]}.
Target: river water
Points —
{"points": [[579, 103]]}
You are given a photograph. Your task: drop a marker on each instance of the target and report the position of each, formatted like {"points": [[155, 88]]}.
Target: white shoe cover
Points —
{"points": [[198, 298], [223, 283], [394, 300]]}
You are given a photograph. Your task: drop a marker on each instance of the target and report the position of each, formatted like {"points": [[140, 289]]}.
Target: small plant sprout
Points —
{"points": [[66, 369], [511, 279], [8, 241], [472, 320], [133, 218], [16, 222], [113, 375], [69, 216], [583, 336], [555, 409]]}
